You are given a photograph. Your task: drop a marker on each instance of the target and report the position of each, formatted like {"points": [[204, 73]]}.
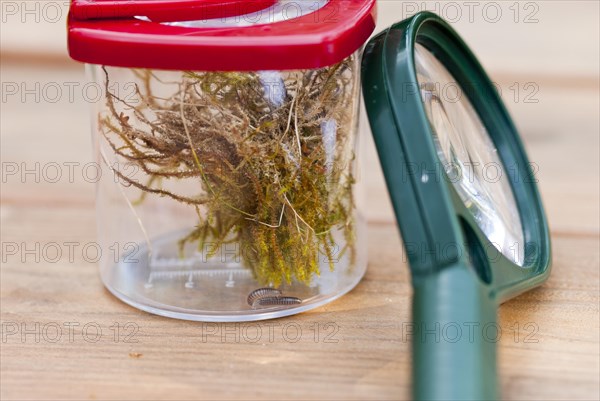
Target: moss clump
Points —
{"points": [[272, 155]]}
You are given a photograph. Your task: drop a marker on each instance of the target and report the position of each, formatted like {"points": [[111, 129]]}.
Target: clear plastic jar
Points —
{"points": [[229, 195]]}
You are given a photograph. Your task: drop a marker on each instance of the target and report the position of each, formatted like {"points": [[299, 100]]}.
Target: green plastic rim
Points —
{"points": [[428, 211]]}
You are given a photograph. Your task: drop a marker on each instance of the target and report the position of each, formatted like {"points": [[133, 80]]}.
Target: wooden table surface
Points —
{"points": [[549, 347]]}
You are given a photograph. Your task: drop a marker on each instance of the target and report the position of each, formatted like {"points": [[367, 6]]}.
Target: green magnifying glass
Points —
{"points": [[464, 195]]}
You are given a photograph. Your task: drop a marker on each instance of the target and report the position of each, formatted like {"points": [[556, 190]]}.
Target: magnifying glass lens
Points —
{"points": [[469, 156]]}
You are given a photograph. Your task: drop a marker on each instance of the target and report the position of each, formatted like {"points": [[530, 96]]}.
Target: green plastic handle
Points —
{"points": [[454, 337]]}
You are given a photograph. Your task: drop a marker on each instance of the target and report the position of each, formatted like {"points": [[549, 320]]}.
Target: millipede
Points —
{"points": [[262, 293]]}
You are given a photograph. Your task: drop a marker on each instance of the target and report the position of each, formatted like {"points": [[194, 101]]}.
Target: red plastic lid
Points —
{"points": [[165, 10], [107, 32]]}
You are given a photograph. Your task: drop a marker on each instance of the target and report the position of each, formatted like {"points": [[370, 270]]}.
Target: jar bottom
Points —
{"points": [[216, 288]]}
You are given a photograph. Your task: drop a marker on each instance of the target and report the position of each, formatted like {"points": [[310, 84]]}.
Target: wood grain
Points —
{"points": [[549, 347]]}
